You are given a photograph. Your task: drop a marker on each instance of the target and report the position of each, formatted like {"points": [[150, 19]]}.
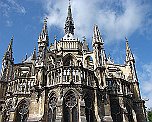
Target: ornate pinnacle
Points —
{"points": [[69, 24], [9, 52], [69, 10], [97, 36], [129, 55], [45, 26]]}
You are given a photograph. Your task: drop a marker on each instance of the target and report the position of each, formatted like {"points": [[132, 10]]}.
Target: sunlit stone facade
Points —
{"points": [[67, 82]]}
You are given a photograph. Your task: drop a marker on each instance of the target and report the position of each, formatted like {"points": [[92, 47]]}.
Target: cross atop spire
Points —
{"points": [[69, 24]]}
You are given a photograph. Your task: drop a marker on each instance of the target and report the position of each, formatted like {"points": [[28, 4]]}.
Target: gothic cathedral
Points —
{"points": [[67, 82]]}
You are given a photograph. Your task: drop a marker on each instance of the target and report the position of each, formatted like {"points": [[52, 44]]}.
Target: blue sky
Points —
{"points": [[116, 19]]}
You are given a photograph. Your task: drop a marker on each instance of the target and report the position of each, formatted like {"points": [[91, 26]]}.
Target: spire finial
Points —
{"points": [[45, 23], [10, 44], [129, 55], [34, 48], [84, 38], [69, 24], [11, 41], [69, 10], [69, 2], [97, 38], [45, 19], [12, 37], [34, 53], [127, 44], [55, 37], [55, 42]]}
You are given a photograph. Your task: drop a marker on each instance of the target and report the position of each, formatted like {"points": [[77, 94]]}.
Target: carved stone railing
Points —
{"points": [[21, 85], [70, 74], [69, 45]]}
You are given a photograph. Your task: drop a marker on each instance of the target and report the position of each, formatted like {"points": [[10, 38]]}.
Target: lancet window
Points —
{"points": [[116, 112], [89, 108], [22, 112], [52, 107], [70, 109]]}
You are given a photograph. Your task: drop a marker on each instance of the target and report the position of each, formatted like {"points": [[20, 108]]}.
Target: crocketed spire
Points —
{"points": [[69, 24]]}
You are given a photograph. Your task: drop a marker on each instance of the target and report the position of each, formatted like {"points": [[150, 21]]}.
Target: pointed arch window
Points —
{"points": [[89, 62], [116, 112], [89, 108], [52, 108], [22, 112], [70, 109], [68, 60]]}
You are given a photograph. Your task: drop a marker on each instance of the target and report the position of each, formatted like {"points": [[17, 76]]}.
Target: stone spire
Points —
{"points": [[34, 54], [85, 45], [97, 39], [44, 29], [55, 42], [69, 24], [129, 55], [98, 47], [43, 37], [7, 62], [9, 52], [43, 42], [130, 61]]}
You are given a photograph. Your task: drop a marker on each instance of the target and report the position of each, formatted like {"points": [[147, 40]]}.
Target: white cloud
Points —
{"points": [[146, 83], [17, 7], [8, 6], [4, 8], [116, 18]]}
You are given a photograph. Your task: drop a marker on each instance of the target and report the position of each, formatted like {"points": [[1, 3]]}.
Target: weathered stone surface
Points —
{"points": [[66, 82]]}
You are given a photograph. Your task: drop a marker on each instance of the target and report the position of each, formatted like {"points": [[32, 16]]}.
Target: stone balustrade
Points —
{"points": [[21, 85], [70, 74], [69, 45]]}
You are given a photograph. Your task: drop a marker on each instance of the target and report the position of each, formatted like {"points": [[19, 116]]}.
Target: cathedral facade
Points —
{"points": [[67, 82]]}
